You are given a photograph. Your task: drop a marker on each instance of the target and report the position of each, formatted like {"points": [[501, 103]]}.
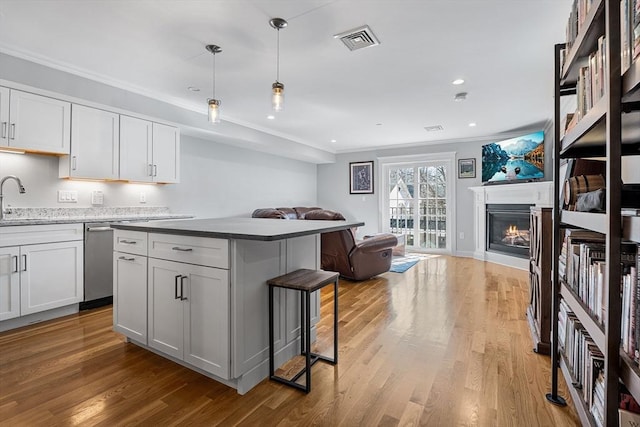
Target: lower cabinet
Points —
{"points": [[50, 276], [188, 314], [40, 276], [130, 295], [9, 283]]}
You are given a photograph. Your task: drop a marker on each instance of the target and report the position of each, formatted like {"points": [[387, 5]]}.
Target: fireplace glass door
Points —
{"points": [[508, 229]]}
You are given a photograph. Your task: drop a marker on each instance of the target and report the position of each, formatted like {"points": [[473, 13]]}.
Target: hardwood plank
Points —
{"points": [[445, 343]]}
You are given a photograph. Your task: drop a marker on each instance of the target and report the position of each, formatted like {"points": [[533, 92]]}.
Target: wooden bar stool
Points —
{"points": [[305, 281]]}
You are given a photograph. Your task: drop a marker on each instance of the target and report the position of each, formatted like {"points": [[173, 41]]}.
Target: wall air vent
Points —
{"points": [[435, 128], [358, 38]]}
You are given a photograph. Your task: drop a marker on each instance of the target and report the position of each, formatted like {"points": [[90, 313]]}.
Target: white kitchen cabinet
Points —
{"points": [[166, 153], [9, 283], [49, 264], [189, 314], [95, 145], [149, 152], [51, 276], [33, 122], [130, 295]]}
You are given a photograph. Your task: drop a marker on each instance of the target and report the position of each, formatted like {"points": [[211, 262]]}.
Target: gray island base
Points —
{"points": [[194, 291]]}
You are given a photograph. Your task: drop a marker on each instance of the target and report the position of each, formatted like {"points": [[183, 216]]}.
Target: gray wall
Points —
{"points": [[217, 180], [333, 189]]}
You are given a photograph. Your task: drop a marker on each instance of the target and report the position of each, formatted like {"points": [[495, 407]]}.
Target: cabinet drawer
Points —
{"points": [[34, 234], [193, 250], [132, 242]]}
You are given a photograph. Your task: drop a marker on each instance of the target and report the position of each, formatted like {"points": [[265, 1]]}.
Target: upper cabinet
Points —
{"points": [[149, 152], [166, 153], [33, 122], [95, 144]]}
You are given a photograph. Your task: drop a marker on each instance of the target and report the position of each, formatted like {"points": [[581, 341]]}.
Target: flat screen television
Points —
{"points": [[513, 160]]}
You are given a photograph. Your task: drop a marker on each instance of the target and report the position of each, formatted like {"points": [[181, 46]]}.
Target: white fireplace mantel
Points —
{"points": [[531, 193]]}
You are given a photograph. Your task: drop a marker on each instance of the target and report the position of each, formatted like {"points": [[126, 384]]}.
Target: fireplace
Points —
{"points": [[508, 229]]}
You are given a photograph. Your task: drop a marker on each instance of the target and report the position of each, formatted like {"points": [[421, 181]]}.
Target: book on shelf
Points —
{"points": [[584, 360], [629, 410], [628, 418], [636, 29]]}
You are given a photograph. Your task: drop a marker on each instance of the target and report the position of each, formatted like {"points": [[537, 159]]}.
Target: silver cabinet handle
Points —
{"points": [[129, 242], [12, 131], [178, 248], [74, 163], [15, 263], [99, 228], [175, 287], [4, 130], [150, 169], [24, 257], [155, 170], [124, 258], [182, 297]]}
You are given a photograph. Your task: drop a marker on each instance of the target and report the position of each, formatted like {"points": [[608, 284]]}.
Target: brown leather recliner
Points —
{"points": [[356, 260], [339, 249]]}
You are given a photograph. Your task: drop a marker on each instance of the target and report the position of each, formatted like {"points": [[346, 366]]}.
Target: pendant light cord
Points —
{"points": [[278, 57], [214, 76]]}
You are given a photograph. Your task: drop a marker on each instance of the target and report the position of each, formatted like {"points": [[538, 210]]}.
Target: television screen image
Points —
{"points": [[515, 159]]}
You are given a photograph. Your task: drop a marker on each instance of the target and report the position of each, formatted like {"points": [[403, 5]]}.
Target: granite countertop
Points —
{"points": [[265, 229], [43, 216]]}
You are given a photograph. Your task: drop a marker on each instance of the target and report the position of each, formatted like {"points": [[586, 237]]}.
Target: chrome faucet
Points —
{"points": [[20, 189]]}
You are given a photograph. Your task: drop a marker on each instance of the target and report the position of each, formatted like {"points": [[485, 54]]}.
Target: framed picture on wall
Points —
{"points": [[466, 168], [361, 177]]}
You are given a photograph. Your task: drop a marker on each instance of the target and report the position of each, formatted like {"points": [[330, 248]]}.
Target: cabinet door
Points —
{"points": [[9, 283], [50, 276], [4, 117], [166, 153], [206, 319], [130, 296], [165, 307], [136, 163], [39, 123], [95, 144]]}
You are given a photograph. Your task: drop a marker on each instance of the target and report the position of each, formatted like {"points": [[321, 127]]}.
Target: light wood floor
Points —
{"points": [[443, 344]]}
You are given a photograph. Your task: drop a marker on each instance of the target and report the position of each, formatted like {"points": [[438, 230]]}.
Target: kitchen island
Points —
{"points": [[195, 291]]}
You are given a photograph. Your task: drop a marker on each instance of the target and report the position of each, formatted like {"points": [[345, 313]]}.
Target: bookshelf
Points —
{"points": [[609, 127]]}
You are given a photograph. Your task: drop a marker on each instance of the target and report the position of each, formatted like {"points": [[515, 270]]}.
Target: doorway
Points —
{"points": [[418, 202]]}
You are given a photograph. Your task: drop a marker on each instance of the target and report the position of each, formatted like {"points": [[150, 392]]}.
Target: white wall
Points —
{"points": [[217, 180]]}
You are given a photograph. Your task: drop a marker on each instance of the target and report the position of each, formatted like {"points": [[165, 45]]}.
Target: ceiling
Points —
{"points": [[374, 97]]}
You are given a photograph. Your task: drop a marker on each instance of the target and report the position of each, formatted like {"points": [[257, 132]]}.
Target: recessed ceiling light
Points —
{"points": [[333, 140], [193, 89], [271, 117], [472, 124], [457, 82]]}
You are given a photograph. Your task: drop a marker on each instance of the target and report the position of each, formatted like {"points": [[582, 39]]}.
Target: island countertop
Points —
{"points": [[265, 229]]}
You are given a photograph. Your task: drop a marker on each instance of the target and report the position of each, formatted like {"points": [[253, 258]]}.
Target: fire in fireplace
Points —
{"points": [[508, 229]]}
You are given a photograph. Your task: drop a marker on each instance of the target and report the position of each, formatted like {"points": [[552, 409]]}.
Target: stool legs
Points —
{"points": [[305, 339], [271, 370]]}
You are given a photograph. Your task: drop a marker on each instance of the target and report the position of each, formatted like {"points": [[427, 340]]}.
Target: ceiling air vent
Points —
{"points": [[435, 128], [358, 38]]}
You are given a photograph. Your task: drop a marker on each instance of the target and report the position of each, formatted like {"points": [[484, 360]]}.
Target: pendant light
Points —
{"points": [[213, 103], [277, 89]]}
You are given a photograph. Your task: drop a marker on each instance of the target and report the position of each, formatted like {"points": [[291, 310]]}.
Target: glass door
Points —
{"points": [[418, 204]]}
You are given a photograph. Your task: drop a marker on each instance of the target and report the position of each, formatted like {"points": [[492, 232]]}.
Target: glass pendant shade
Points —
{"points": [[214, 110], [213, 104], [277, 96]]}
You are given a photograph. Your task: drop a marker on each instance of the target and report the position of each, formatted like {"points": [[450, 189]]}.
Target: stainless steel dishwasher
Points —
{"points": [[98, 265]]}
